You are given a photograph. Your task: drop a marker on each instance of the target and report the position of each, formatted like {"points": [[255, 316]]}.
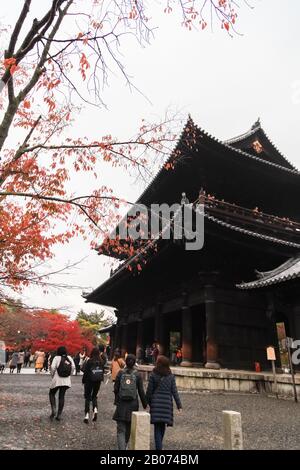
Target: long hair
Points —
{"points": [[162, 366], [117, 354], [61, 351], [95, 354]]}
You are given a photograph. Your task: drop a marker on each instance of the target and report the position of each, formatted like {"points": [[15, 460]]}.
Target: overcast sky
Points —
{"points": [[224, 83]]}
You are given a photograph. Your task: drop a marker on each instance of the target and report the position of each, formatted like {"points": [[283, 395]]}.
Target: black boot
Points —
{"points": [[61, 403], [53, 405]]}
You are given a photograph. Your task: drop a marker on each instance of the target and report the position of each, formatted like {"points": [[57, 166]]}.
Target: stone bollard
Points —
{"points": [[140, 431], [232, 429]]}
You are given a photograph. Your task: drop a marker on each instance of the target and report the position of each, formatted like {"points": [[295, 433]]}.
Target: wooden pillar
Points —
{"points": [[117, 336], [272, 330], [186, 337], [139, 352], [159, 329], [112, 342], [270, 314], [211, 328], [124, 337]]}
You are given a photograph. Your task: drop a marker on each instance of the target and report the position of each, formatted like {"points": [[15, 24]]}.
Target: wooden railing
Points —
{"points": [[251, 219]]}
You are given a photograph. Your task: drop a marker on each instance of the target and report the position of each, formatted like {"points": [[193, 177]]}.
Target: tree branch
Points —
{"points": [[17, 29]]}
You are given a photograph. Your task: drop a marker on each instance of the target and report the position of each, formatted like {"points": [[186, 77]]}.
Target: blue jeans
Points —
{"points": [[159, 432]]}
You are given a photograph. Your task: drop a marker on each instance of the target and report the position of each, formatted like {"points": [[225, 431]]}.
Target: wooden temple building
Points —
{"points": [[222, 304]]}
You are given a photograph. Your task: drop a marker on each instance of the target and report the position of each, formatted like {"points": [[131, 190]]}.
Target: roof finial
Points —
{"points": [[190, 120], [184, 199], [256, 124]]}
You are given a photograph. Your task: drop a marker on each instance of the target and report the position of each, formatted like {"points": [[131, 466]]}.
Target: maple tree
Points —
{"points": [[52, 65], [41, 329]]}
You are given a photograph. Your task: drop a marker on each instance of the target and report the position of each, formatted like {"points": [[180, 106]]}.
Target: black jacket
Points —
{"points": [[160, 393], [124, 409], [87, 369]]}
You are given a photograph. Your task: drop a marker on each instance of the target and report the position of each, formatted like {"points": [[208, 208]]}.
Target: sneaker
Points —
{"points": [[86, 418], [95, 414]]}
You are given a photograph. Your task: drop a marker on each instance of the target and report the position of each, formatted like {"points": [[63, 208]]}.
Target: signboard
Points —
{"points": [[271, 354], [2, 352], [284, 357]]}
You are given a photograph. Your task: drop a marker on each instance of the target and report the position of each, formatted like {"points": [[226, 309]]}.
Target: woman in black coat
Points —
{"points": [[125, 406], [160, 393], [92, 377]]}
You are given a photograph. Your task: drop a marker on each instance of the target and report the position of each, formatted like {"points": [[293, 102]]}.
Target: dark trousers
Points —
{"points": [[159, 432], [91, 390], [123, 434], [61, 398], [19, 367]]}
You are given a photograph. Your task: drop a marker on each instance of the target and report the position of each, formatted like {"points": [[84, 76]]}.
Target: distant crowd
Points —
{"points": [[150, 353], [41, 360]]}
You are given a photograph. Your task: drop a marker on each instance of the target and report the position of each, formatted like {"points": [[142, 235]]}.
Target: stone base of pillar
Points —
{"points": [[186, 364], [212, 365]]}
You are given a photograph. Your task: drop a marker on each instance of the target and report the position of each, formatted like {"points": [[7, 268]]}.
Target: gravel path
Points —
{"points": [[24, 419]]}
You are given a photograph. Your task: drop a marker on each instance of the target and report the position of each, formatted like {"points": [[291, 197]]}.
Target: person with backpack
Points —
{"points": [[128, 385], [116, 364], [92, 377], [61, 369], [160, 393]]}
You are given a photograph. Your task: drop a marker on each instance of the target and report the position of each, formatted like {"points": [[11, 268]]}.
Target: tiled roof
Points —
{"points": [[225, 144], [259, 131], [251, 233], [245, 135], [285, 272]]}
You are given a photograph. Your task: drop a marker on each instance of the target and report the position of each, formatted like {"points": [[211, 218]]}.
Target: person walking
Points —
{"points": [[82, 359], [31, 359], [26, 358], [46, 362], [20, 363], [76, 362], [117, 364], [160, 393], [13, 362], [61, 369], [128, 385], [178, 356], [92, 377], [155, 353], [39, 360], [148, 354], [7, 357]]}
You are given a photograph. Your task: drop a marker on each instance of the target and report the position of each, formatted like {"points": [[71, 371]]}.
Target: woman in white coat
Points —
{"points": [[61, 369]]}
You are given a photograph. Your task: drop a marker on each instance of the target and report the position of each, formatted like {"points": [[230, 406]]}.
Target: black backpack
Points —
{"points": [[128, 385], [65, 367], [96, 372]]}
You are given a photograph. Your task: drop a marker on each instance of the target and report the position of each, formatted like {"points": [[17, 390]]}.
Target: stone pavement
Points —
{"points": [[24, 418]]}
